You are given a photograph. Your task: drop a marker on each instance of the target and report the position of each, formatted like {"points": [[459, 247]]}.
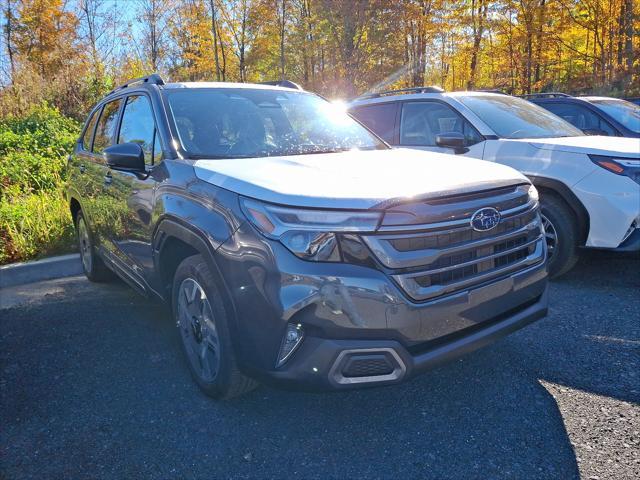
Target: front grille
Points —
{"points": [[457, 274], [442, 259], [456, 237]]}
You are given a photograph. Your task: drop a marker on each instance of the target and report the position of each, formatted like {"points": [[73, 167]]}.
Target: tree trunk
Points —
{"points": [[9, 38], [629, 32], [283, 20], [214, 33], [540, 31], [477, 19]]}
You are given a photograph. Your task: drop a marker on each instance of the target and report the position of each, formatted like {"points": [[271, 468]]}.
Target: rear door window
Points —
{"points": [[106, 126], [421, 122], [380, 119]]}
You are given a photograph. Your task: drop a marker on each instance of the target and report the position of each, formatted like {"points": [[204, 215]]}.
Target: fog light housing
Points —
{"points": [[293, 336]]}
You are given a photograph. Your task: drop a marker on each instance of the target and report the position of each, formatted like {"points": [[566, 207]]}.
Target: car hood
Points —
{"points": [[596, 144], [355, 179]]}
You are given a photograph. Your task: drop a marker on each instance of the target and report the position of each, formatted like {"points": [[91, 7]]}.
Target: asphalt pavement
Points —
{"points": [[93, 385]]}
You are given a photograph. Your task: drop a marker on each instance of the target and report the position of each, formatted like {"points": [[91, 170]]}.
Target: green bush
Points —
{"points": [[34, 215], [33, 150]]}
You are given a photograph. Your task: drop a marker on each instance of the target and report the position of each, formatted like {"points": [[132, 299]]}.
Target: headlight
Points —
{"points": [[533, 194], [629, 167], [308, 233]]}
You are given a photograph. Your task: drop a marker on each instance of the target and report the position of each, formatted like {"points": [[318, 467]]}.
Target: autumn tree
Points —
{"points": [[153, 17], [45, 34], [192, 53]]}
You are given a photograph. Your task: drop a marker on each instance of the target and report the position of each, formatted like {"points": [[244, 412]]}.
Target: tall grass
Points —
{"points": [[35, 225]]}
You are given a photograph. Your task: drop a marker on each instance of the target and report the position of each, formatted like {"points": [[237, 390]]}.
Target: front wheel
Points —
{"points": [[202, 324], [561, 234]]}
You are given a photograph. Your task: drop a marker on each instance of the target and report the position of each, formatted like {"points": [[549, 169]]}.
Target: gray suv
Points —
{"points": [[292, 244]]}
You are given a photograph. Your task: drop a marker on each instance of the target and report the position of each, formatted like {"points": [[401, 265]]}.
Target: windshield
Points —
{"points": [[627, 113], [241, 122], [511, 117]]}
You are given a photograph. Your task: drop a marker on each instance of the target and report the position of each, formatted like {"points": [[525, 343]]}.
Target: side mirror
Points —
{"points": [[125, 156], [453, 140], [594, 131]]}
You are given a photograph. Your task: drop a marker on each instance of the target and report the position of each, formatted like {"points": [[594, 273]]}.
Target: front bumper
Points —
{"points": [[613, 204], [345, 309], [320, 363]]}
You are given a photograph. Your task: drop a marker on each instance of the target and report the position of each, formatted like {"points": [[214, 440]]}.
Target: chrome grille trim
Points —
{"points": [[390, 257], [456, 223], [472, 262], [417, 292]]}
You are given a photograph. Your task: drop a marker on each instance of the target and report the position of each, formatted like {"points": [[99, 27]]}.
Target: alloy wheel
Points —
{"points": [[85, 245], [550, 234], [198, 330]]}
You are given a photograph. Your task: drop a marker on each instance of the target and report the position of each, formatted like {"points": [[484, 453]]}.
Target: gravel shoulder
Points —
{"points": [[93, 384]]}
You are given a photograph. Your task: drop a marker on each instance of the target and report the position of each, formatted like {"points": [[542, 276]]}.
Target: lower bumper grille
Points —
{"points": [[367, 366]]}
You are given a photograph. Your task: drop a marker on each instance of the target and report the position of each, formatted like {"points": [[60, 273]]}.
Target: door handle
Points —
{"points": [[82, 168], [108, 179]]}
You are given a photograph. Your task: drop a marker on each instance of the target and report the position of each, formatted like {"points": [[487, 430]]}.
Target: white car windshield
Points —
{"points": [[242, 122], [511, 117], [627, 113]]}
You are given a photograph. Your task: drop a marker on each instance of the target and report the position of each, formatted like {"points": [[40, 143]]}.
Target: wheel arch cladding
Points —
{"points": [[544, 184], [175, 241]]}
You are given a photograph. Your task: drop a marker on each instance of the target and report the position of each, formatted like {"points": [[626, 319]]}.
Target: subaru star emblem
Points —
{"points": [[485, 219]]}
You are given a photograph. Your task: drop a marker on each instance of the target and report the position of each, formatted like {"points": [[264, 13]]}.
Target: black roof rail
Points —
{"points": [[283, 83], [402, 91], [546, 95], [153, 79]]}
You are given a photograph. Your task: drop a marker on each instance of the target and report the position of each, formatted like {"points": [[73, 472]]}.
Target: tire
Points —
{"points": [[92, 265], [561, 232], [203, 329]]}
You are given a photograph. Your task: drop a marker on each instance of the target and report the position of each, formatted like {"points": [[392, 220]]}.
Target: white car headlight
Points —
{"points": [[629, 167]]}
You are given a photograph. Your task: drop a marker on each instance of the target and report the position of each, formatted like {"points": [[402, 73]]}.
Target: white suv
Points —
{"points": [[589, 185]]}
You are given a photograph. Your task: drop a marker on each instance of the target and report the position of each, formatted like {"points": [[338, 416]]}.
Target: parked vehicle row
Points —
{"points": [[589, 185], [593, 115], [296, 247]]}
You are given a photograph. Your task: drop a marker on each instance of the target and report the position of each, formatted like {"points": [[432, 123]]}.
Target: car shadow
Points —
{"points": [[591, 339]]}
